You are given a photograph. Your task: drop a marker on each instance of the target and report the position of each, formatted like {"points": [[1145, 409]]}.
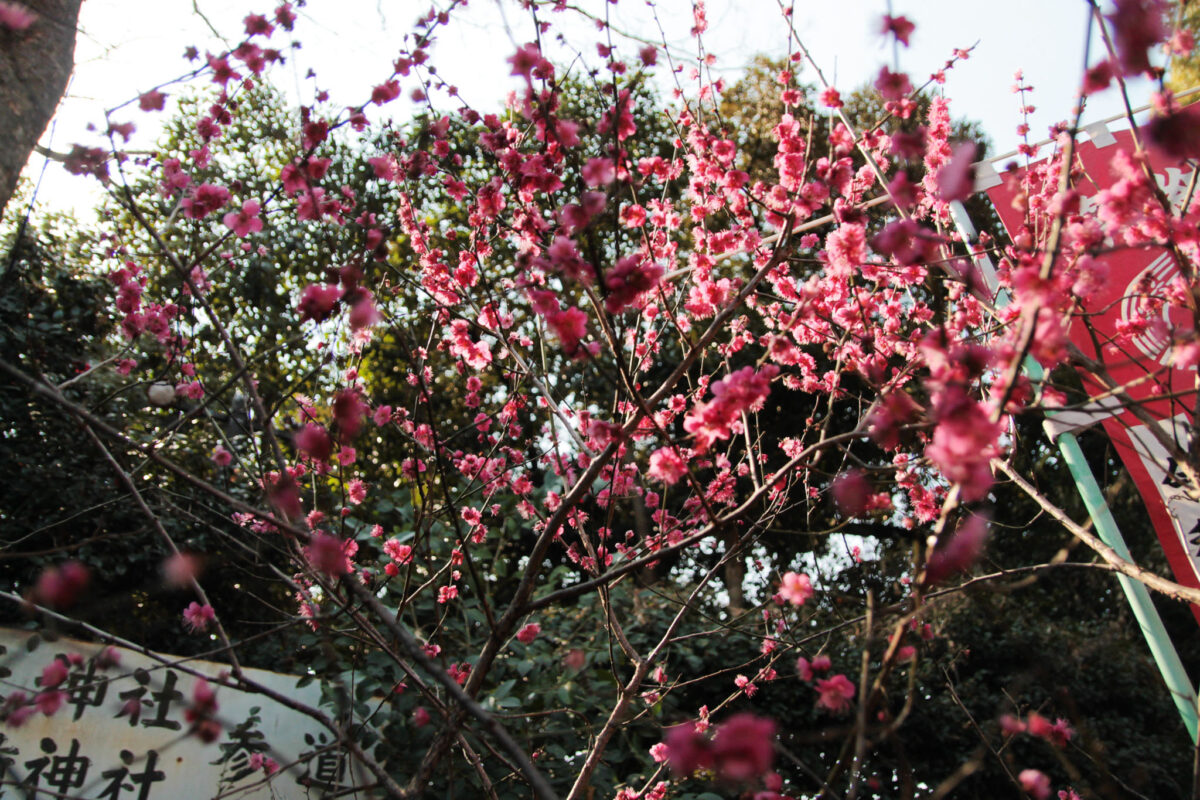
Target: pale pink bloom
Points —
{"points": [[575, 659], [893, 85], [221, 457], [179, 570], [804, 669], [1011, 725], [956, 180], [1035, 782], [835, 694], [15, 16], [822, 663], [660, 752], [796, 588], [599, 171], [363, 313]]}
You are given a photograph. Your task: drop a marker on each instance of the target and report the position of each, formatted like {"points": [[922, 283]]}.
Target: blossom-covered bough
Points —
{"points": [[504, 403]]}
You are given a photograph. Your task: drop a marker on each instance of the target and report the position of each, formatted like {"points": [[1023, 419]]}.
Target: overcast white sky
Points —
{"points": [[127, 46]]}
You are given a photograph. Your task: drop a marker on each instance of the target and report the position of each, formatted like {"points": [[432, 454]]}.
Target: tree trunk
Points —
{"points": [[735, 575], [35, 65]]}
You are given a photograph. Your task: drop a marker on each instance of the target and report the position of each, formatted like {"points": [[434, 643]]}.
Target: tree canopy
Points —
{"points": [[605, 444]]}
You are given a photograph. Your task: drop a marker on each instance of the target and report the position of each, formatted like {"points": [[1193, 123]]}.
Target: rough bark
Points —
{"points": [[35, 65]]}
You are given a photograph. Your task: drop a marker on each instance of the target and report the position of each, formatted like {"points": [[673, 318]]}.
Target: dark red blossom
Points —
{"points": [[629, 277], [330, 555], [1138, 26], [1097, 78], [741, 749], [893, 85], [318, 300], [385, 92], [314, 441], [258, 25], [687, 749], [958, 554], [1176, 133], [285, 16], [900, 27], [744, 747], [850, 491], [206, 199], [349, 412], [153, 100], [87, 161], [1057, 733], [202, 712], [284, 495], [60, 587]]}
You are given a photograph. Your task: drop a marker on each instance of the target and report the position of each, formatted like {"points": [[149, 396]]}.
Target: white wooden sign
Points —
{"points": [[123, 733]]}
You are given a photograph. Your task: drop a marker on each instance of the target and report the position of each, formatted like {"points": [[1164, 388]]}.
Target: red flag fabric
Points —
{"points": [[1140, 358]]}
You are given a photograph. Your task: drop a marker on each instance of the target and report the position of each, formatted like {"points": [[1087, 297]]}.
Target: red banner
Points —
{"points": [[1141, 364]]}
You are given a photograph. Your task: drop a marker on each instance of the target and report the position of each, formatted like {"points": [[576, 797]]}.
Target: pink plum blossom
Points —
{"points": [[835, 694], [796, 588], [246, 221]]}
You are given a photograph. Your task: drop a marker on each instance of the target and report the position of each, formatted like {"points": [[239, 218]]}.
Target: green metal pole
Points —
{"points": [[1144, 611]]}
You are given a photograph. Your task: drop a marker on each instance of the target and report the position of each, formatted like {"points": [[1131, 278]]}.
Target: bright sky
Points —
{"points": [[128, 46]]}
